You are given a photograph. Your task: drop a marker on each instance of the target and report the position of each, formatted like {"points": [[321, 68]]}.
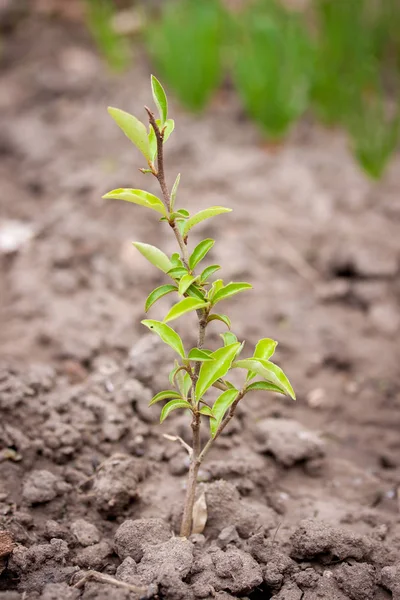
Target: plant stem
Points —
{"points": [[186, 527]]}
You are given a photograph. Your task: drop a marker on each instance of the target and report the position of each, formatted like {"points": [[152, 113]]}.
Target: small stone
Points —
{"points": [[132, 537], [41, 487], [6, 543], [86, 533], [93, 557]]}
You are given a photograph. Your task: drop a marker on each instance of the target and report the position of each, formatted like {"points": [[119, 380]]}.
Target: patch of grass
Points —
{"points": [[273, 65], [185, 43]]}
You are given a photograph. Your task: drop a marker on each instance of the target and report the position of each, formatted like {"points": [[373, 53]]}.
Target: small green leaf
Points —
{"points": [[184, 306], [268, 371], [184, 213], [176, 260], [229, 338], [208, 271], [158, 293], [265, 348], [221, 405], [207, 213], [164, 395], [264, 385], [182, 380], [174, 190], [222, 318], [211, 371], [200, 355], [230, 290], [133, 129], [160, 99], [168, 129], [185, 282], [177, 272], [173, 405], [167, 334], [138, 197], [215, 287], [200, 252], [206, 410], [194, 292], [155, 256]]}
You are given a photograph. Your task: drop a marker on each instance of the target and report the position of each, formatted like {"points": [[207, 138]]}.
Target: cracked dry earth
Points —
{"points": [[302, 497]]}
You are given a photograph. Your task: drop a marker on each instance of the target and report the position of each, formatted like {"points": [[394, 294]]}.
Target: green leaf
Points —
{"points": [[200, 252], [230, 290], [173, 405], [160, 99], [221, 405], [155, 256], [185, 282], [194, 292], [133, 129], [158, 293], [216, 285], [268, 371], [229, 338], [174, 190], [168, 129], [211, 371], [206, 410], [184, 306], [200, 355], [167, 334], [264, 385], [164, 395], [213, 211], [208, 271], [184, 213], [223, 318], [177, 272], [182, 380], [138, 197], [265, 348], [176, 260]]}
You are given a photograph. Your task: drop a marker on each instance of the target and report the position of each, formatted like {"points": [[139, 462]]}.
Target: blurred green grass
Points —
{"points": [[338, 60]]}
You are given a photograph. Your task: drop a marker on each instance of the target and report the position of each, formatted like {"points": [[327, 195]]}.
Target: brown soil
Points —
{"points": [[302, 497]]}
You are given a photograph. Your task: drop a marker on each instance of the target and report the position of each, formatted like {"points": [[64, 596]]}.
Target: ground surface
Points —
{"points": [[309, 508]]}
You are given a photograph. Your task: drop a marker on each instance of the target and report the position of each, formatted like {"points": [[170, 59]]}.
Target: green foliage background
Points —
{"points": [[338, 59]]}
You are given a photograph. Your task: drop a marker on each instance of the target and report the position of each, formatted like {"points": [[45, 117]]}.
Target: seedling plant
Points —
{"points": [[198, 369]]}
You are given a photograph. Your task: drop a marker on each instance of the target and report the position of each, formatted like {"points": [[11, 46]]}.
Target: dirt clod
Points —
{"points": [[86, 533], [116, 483], [288, 441], [42, 486], [313, 538], [93, 557], [391, 580], [58, 591], [357, 580], [132, 537]]}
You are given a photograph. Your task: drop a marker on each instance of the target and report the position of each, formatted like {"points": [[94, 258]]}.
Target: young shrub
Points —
{"points": [[346, 60], [272, 65], [99, 19], [185, 44], [199, 368], [374, 133]]}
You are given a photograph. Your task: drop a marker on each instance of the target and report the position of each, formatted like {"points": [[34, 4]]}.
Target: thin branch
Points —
{"points": [[176, 438], [148, 592], [160, 159], [222, 426]]}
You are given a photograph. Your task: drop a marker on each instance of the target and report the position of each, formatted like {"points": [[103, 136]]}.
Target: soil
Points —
{"points": [[302, 498]]}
